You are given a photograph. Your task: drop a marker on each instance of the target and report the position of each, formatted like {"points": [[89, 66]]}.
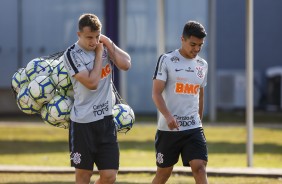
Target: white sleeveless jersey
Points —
{"points": [[89, 105], [184, 78]]}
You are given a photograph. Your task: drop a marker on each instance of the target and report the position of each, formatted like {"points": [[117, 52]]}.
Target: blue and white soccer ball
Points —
{"points": [[38, 67], [69, 93], [57, 111], [19, 79], [124, 117], [60, 77], [42, 89], [53, 62], [25, 103]]}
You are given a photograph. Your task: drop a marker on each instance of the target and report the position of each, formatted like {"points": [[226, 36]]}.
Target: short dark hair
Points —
{"points": [[193, 28], [89, 20]]}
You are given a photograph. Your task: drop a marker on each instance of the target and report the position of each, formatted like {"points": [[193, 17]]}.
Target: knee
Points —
{"points": [[161, 177], [108, 178], [83, 177], [199, 170]]}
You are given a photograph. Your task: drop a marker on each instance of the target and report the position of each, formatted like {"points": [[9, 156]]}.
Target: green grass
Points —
{"points": [[43, 145], [128, 179]]}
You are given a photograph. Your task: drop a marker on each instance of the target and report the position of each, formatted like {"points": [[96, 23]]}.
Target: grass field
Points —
{"points": [[128, 179], [43, 145], [39, 144]]}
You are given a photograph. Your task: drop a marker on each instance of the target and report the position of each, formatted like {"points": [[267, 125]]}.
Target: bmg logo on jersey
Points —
{"points": [[101, 108], [186, 88]]}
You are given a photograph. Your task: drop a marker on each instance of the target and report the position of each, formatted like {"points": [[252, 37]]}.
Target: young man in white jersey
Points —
{"points": [[178, 93], [92, 132]]}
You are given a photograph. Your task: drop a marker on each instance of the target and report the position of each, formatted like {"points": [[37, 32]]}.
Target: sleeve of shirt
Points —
{"points": [[206, 76], [161, 69], [73, 63]]}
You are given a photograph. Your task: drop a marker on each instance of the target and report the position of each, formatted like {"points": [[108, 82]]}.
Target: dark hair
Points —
{"points": [[89, 20], [193, 28]]}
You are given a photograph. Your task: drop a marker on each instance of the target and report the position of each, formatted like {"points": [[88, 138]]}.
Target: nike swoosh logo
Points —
{"points": [[177, 70]]}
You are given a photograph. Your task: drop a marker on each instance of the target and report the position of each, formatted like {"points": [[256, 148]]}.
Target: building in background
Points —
{"points": [[33, 28]]}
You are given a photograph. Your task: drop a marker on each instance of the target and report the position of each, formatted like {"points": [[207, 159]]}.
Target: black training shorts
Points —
{"points": [[190, 144], [94, 142]]}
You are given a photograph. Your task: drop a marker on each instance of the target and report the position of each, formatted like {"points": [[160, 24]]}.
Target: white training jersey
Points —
{"points": [[184, 78], [89, 105]]}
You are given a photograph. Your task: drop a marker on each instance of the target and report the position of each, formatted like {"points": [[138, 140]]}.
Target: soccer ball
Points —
{"points": [[38, 67], [26, 103], [69, 93], [19, 79], [60, 76], [41, 89], [50, 120], [124, 117], [58, 111], [53, 62]]}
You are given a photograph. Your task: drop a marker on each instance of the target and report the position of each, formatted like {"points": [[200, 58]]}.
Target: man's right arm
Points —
{"points": [[90, 79], [158, 87]]}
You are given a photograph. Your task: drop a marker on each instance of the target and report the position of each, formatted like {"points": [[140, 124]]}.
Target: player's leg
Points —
{"points": [[162, 175], [80, 156], [107, 156], [167, 154], [199, 171], [82, 176], [195, 154], [107, 176]]}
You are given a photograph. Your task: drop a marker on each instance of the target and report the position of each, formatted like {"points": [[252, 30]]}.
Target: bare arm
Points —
{"points": [[201, 102], [90, 79], [120, 58], [158, 87]]}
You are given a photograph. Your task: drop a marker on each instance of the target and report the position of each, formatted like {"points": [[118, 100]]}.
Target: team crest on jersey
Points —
{"points": [[200, 62], [200, 72], [174, 59]]}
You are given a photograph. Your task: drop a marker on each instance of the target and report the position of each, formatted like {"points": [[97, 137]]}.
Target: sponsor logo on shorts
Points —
{"points": [[75, 157], [160, 158]]}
